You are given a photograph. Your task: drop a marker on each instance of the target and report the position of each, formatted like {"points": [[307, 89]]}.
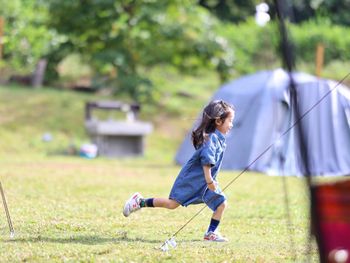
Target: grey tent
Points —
{"points": [[263, 118]]}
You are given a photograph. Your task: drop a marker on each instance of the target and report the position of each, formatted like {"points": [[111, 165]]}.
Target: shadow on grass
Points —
{"points": [[89, 240]]}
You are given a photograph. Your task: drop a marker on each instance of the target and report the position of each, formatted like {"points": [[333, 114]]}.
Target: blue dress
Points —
{"points": [[190, 186]]}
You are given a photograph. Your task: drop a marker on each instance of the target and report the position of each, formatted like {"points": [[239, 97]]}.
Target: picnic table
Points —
{"points": [[117, 138]]}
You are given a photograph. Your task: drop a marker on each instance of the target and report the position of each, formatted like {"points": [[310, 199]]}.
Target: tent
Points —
{"points": [[264, 119]]}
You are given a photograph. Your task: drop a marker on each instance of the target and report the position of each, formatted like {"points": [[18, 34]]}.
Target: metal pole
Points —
{"points": [[12, 231]]}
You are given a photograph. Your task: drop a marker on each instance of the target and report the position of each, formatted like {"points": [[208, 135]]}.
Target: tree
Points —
{"points": [[118, 38], [337, 11], [26, 37], [298, 11], [231, 10]]}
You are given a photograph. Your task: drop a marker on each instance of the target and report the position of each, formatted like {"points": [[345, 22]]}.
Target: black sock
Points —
{"points": [[149, 202], [146, 202], [213, 225]]}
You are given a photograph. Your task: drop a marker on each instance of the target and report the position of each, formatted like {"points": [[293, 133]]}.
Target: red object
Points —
{"points": [[330, 217]]}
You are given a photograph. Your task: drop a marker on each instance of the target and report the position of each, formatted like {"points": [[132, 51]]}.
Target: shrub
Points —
{"points": [[335, 38]]}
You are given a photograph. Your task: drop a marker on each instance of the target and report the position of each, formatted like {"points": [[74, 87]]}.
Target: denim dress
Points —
{"points": [[190, 186]]}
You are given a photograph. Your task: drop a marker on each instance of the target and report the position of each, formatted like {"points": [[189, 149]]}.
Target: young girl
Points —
{"points": [[196, 182]]}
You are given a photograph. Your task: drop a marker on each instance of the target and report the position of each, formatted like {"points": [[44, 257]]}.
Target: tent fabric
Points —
{"points": [[263, 119]]}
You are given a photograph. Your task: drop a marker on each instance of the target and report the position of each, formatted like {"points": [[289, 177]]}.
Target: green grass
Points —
{"points": [[68, 209]]}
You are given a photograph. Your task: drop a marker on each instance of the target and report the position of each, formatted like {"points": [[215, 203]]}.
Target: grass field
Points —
{"points": [[68, 209]]}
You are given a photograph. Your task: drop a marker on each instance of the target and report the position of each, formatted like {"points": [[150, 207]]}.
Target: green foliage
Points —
{"points": [[231, 10], [254, 46], [296, 11], [300, 11], [72, 68], [306, 36], [119, 38], [26, 35], [336, 11], [258, 47]]}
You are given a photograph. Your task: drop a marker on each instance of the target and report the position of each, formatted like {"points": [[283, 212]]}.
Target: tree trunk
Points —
{"points": [[39, 73]]}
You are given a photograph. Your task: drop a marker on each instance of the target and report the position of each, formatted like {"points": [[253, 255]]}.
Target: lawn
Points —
{"points": [[69, 209]]}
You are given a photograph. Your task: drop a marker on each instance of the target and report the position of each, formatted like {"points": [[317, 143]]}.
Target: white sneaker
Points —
{"points": [[214, 237], [132, 205]]}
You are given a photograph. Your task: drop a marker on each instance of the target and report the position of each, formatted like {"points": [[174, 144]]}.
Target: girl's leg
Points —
{"points": [[136, 202], [166, 203], [159, 202], [211, 235], [217, 215]]}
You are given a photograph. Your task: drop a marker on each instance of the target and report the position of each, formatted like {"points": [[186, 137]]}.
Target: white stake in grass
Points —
{"points": [[169, 243]]}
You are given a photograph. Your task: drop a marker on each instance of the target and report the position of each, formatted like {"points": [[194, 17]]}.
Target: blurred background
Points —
{"points": [[158, 62], [170, 56]]}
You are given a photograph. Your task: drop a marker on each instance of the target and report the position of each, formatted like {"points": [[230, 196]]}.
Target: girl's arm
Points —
{"points": [[208, 178]]}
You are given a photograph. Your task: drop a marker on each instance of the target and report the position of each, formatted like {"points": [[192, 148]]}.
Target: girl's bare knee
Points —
{"points": [[173, 204], [222, 206]]}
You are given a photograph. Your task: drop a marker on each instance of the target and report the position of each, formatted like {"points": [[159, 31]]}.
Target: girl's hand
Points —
{"points": [[212, 186]]}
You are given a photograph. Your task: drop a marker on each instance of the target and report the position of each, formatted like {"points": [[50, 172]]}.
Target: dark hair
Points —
{"points": [[217, 109]]}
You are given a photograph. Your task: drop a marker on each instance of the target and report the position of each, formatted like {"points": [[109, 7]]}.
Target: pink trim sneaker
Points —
{"points": [[132, 205], [214, 237]]}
